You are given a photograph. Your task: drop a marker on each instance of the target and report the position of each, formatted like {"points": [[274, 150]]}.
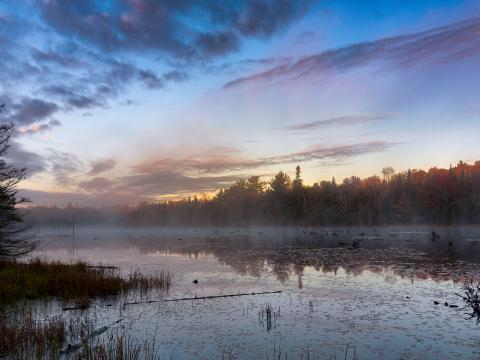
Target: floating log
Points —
{"points": [[101, 267], [71, 348], [81, 307], [203, 297]]}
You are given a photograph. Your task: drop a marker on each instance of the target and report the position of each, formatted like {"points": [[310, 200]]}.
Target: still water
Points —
{"points": [[357, 293]]}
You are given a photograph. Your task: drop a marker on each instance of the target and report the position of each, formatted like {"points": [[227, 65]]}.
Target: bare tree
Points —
{"points": [[388, 172], [13, 241]]}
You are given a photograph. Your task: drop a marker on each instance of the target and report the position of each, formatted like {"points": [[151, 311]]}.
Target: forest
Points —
{"points": [[437, 196]]}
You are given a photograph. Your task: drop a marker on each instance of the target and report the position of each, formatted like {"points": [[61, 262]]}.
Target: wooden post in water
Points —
{"points": [[73, 233]]}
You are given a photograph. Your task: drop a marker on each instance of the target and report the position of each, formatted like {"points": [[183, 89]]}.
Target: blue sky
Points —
{"points": [[117, 102]]}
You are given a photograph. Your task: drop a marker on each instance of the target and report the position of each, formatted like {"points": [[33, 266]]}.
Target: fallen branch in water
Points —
{"points": [[70, 308], [203, 297], [102, 267], [73, 348]]}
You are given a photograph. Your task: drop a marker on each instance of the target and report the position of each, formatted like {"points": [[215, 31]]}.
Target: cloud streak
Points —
{"points": [[150, 181], [444, 44], [39, 128], [221, 163], [102, 166], [337, 121]]}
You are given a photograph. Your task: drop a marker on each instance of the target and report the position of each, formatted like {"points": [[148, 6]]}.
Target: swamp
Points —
{"points": [[317, 293]]}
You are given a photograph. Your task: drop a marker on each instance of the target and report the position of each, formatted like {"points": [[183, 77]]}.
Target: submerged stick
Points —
{"points": [[69, 308], [203, 297], [101, 267], [71, 348]]}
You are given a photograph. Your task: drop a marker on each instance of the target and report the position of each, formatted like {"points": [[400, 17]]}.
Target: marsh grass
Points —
{"points": [[142, 283], [37, 279], [78, 282], [268, 317], [471, 298], [25, 337], [118, 346]]}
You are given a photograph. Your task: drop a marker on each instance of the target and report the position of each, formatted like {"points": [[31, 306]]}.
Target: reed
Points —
{"points": [[140, 282], [25, 337], [118, 346], [78, 282]]}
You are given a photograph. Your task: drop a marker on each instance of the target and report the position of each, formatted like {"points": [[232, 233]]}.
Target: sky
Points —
{"points": [[118, 102]]}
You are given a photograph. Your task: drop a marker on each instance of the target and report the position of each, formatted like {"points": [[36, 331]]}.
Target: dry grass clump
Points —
{"points": [[41, 279], [471, 298], [118, 346], [25, 337], [79, 282], [22, 336], [143, 283]]}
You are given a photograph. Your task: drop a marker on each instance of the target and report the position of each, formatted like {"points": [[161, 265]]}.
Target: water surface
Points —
{"points": [[373, 301]]}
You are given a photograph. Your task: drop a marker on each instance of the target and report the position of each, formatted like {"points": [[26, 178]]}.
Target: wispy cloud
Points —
{"points": [[224, 162], [97, 185], [152, 180], [39, 127], [337, 121], [172, 182], [65, 166], [444, 44], [22, 158], [101, 166]]}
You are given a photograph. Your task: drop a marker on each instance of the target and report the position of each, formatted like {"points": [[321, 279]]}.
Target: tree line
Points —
{"points": [[437, 196]]}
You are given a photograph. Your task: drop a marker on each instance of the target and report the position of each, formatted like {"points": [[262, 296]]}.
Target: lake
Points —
{"points": [[345, 293]]}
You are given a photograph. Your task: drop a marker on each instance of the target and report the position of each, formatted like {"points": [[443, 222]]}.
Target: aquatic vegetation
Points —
{"points": [[118, 346], [41, 279], [142, 283], [267, 316], [472, 299], [76, 282], [25, 337]]}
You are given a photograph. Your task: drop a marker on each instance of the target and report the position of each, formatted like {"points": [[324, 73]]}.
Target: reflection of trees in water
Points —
{"points": [[290, 256]]}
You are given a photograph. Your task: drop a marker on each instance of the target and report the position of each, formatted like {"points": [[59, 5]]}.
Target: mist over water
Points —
{"points": [[248, 179], [365, 292]]}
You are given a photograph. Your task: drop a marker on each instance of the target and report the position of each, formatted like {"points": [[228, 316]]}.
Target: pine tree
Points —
{"points": [[12, 241]]}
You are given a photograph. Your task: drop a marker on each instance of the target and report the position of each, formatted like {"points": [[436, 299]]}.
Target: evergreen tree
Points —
{"points": [[12, 241]]}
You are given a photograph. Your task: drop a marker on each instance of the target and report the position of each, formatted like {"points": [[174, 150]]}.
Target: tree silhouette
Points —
{"points": [[436, 196], [13, 243], [298, 182], [281, 183], [433, 196], [388, 172]]}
